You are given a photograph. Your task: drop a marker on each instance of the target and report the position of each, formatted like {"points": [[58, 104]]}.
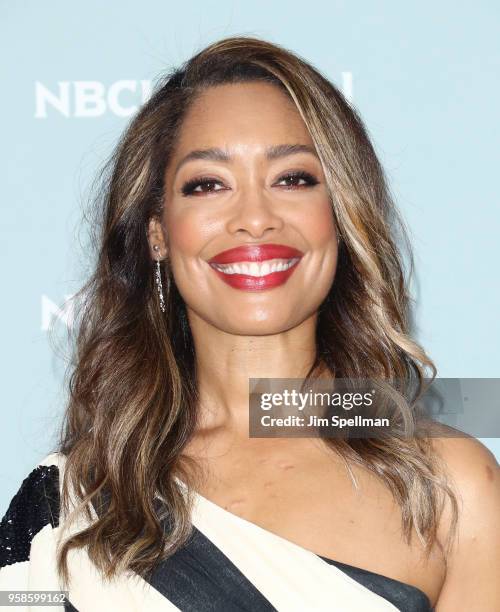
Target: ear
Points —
{"points": [[157, 238]]}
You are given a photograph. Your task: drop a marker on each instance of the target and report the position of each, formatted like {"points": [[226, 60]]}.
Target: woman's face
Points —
{"points": [[247, 220]]}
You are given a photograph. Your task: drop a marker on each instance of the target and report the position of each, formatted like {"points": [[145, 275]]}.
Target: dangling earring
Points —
{"points": [[159, 285]]}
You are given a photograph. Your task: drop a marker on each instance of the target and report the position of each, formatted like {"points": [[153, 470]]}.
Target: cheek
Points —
{"points": [[319, 227], [187, 232]]}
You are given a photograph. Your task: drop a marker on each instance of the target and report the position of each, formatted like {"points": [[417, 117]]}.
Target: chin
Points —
{"points": [[258, 323]]}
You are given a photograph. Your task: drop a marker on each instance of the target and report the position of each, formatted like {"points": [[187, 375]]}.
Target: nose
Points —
{"points": [[254, 214]]}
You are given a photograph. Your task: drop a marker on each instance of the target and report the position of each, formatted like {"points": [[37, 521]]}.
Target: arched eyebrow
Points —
{"points": [[221, 155]]}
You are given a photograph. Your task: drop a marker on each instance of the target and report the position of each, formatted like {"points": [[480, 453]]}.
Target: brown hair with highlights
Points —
{"points": [[132, 395]]}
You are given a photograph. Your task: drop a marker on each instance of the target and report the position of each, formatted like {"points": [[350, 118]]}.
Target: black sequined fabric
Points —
{"points": [[35, 505]]}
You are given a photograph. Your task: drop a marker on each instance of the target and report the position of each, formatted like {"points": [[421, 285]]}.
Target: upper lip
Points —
{"points": [[255, 252]]}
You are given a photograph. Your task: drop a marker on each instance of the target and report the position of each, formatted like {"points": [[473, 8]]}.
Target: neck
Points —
{"points": [[225, 362]]}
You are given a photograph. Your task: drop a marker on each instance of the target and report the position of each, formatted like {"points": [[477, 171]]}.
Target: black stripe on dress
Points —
{"points": [[200, 578], [406, 597]]}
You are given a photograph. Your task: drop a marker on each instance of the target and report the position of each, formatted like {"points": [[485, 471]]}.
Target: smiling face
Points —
{"points": [[247, 221]]}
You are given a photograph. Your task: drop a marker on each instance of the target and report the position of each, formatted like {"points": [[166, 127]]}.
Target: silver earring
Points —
{"points": [[159, 285]]}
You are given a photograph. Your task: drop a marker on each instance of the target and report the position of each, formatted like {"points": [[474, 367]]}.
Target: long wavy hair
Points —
{"points": [[132, 403]]}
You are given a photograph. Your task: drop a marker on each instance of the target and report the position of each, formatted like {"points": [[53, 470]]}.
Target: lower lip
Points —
{"points": [[246, 282]]}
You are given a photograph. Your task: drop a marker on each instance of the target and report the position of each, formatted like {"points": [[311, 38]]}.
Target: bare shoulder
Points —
{"points": [[469, 462], [473, 563]]}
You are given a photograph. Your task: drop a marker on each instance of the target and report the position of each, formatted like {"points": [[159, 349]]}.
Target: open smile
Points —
{"points": [[256, 267]]}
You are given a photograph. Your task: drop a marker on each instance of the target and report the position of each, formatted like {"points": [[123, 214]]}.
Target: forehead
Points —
{"points": [[241, 114]]}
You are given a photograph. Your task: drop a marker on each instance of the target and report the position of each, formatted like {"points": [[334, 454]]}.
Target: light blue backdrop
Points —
{"points": [[424, 77]]}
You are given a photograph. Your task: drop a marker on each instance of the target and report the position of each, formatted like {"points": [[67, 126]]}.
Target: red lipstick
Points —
{"points": [[255, 267], [255, 252]]}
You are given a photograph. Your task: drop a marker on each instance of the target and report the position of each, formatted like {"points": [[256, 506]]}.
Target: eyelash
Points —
{"points": [[189, 187]]}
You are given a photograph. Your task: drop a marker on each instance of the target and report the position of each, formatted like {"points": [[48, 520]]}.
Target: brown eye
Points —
{"points": [[201, 185], [298, 179]]}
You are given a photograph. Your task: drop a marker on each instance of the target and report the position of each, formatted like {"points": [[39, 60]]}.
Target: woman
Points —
{"points": [[247, 232]]}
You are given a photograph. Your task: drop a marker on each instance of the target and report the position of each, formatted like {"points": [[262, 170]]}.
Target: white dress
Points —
{"points": [[229, 564]]}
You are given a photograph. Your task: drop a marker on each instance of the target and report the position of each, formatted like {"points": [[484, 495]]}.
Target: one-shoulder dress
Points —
{"points": [[228, 564]]}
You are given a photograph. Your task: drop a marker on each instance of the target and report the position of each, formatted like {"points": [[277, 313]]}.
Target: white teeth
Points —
{"points": [[255, 268]]}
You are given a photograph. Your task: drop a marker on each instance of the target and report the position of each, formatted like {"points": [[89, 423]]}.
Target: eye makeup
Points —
{"points": [[190, 188]]}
